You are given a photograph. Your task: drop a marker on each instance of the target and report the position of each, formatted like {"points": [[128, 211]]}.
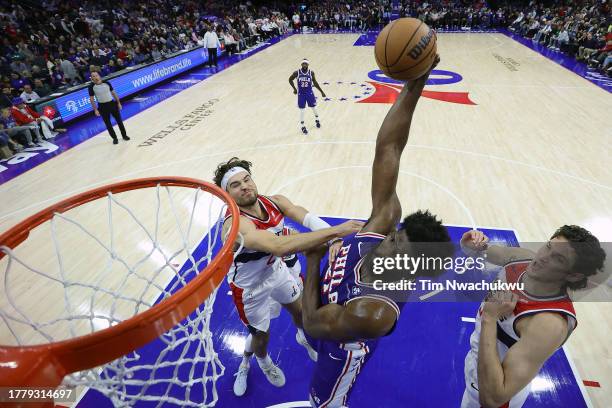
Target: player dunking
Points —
{"points": [[516, 332], [341, 309], [305, 81], [259, 278]]}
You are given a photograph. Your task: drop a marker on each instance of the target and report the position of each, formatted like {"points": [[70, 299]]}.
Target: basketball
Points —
{"points": [[405, 49]]}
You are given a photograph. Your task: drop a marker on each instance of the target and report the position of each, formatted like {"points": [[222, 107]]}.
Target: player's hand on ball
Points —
{"points": [[421, 81], [333, 251], [475, 240], [500, 304], [348, 228]]}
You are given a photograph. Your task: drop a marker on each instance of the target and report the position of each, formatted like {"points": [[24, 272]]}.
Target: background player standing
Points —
{"points": [[305, 81]]}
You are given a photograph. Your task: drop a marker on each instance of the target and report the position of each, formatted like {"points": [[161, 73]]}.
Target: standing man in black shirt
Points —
{"points": [[108, 104]]}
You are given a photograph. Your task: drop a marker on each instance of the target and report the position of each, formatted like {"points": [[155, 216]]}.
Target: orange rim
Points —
{"points": [[46, 365]]}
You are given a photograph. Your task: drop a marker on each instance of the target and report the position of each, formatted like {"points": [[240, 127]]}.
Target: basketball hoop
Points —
{"points": [[142, 306]]}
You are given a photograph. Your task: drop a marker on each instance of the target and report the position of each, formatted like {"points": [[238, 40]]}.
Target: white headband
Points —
{"points": [[231, 173], [305, 61]]}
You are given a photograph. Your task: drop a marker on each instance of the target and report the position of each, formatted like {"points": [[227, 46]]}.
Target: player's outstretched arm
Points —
{"points": [[359, 320], [283, 245], [307, 219], [390, 143], [316, 84], [291, 78], [499, 381], [476, 243]]}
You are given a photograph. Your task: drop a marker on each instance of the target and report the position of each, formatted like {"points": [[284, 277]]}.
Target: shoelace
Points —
{"points": [[241, 370], [273, 372]]}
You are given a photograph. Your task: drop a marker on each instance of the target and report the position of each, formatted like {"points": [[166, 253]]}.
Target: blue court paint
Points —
{"points": [[419, 365], [90, 126]]}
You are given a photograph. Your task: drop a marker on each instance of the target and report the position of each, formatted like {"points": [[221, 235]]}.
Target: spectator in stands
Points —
{"points": [[19, 66], [70, 72], [38, 73], [18, 82], [20, 134], [241, 43], [588, 46], [57, 77], [41, 88], [24, 115], [96, 58], [5, 151], [6, 97], [28, 94], [230, 43], [155, 54]]}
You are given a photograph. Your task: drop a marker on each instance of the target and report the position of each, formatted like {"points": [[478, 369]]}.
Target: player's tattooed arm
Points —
{"points": [[291, 78], [360, 320], [541, 335], [476, 243], [316, 85]]}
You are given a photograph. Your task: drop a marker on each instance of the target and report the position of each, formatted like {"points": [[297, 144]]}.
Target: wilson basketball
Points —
{"points": [[405, 49]]}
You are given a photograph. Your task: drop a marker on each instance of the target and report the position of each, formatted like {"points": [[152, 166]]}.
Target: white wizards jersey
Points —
{"points": [[527, 305], [251, 267]]}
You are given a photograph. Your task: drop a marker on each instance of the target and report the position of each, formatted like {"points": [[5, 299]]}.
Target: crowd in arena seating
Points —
{"points": [[54, 46], [582, 29], [59, 42]]}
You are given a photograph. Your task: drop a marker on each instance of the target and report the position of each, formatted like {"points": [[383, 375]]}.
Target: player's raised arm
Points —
{"points": [[390, 143], [359, 320], [291, 79], [475, 243], [316, 84], [307, 219]]}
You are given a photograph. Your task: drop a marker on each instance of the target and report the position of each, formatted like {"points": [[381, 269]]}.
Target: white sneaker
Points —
{"points": [[240, 383], [275, 375], [304, 343]]}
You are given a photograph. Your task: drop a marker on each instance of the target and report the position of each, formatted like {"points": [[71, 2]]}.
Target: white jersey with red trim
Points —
{"points": [[507, 336], [251, 267], [527, 305]]}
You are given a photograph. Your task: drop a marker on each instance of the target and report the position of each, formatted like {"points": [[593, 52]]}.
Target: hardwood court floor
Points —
{"points": [[532, 154]]}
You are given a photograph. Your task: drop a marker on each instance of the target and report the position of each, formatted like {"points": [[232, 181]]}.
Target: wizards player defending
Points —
{"points": [[341, 309], [260, 277], [516, 332], [305, 81]]}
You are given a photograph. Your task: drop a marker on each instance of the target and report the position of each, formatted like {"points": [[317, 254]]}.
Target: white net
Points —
{"points": [[106, 261]]}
